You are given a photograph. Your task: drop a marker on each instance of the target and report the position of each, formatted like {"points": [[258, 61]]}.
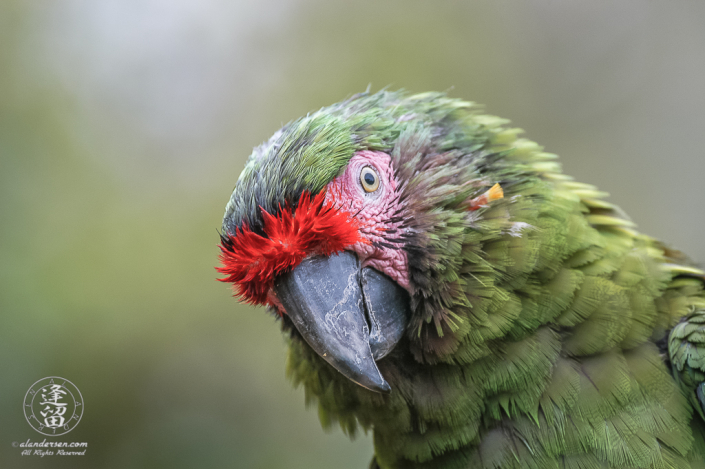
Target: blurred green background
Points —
{"points": [[124, 125]]}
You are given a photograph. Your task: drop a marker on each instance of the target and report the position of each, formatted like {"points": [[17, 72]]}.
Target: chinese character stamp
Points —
{"points": [[53, 406]]}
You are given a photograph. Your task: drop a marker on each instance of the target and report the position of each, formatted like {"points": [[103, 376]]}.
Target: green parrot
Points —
{"points": [[442, 284]]}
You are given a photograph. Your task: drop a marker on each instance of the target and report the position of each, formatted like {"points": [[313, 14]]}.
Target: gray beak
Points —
{"points": [[349, 316]]}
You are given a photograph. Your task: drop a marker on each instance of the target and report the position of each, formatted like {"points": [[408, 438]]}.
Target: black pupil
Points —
{"points": [[369, 179]]}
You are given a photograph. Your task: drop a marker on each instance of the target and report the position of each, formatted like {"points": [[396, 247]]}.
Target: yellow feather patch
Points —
{"points": [[494, 193]]}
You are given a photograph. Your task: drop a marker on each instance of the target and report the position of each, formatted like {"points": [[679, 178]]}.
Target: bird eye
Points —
{"points": [[369, 179]]}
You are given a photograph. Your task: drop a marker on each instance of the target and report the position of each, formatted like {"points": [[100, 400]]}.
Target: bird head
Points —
{"points": [[331, 225]]}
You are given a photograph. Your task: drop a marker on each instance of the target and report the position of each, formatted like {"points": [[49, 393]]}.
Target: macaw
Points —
{"points": [[444, 285]]}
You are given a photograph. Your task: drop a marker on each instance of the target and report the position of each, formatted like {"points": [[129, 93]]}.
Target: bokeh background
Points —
{"points": [[124, 125]]}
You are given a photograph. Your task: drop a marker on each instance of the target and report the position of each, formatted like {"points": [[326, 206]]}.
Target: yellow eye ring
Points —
{"points": [[369, 179]]}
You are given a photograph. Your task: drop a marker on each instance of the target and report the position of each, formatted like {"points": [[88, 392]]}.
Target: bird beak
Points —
{"points": [[349, 316]]}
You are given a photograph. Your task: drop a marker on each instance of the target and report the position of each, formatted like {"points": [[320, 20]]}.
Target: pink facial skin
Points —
{"points": [[374, 211]]}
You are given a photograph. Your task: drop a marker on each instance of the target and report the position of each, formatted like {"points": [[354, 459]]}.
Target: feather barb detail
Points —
{"points": [[251, 261]]}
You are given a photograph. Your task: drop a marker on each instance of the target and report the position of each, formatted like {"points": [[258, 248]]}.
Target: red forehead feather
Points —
{"points": [[250, 261]]}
